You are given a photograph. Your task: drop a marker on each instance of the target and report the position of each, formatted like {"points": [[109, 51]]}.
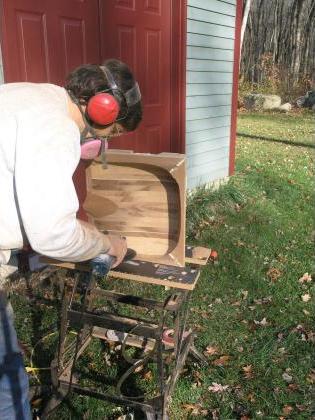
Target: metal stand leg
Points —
{"points": [[168, 356]]}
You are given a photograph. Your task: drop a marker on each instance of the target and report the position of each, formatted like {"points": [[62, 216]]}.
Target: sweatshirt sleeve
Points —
{"points": [[47, 153]]}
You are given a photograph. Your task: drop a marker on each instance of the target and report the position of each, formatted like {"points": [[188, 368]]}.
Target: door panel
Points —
{"points": [[138, 32], [51, 38], [31, 32]]}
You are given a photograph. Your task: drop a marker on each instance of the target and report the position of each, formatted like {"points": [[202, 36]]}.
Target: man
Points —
{"points": [[45, 130]]}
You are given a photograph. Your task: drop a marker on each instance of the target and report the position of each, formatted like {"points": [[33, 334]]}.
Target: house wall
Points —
{"points": [[209, 84]]}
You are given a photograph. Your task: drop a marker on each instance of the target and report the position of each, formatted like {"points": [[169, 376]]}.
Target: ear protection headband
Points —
{"points": [[103, 108]]}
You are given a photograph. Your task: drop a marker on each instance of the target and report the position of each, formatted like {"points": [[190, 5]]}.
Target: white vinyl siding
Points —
{"points": [[209, 78]]}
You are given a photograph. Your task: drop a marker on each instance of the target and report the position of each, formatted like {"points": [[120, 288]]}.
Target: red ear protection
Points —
{"points": [[103, 109]]}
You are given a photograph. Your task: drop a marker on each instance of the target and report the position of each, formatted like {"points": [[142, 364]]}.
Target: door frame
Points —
{"points": [[236, 69], [178, 76]]}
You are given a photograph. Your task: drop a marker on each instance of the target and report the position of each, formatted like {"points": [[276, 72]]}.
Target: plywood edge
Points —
{"points": [[168, 162], [179, 175], [152, 280]]}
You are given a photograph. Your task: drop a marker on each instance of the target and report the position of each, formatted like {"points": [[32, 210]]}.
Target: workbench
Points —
{"points": [[164, 341]]}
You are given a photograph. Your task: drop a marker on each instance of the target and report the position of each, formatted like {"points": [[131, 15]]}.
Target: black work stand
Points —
{"points": [[164, 341]]}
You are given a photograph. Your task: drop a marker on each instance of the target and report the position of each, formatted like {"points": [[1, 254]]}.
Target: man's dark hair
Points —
{"points": [[87, 80]]}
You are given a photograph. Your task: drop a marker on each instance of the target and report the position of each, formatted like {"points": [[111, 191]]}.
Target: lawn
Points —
{"points": [[252, 309]]}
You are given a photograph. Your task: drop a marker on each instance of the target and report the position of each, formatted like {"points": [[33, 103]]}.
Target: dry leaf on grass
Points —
{"points": [[306, 297], [218, 300], [195, 409], [287, 377], [301, 407], [217, 388], [248, 371], [311, 377], [244, 294], [292, 387], [287, 409], [306, 278], [251, 397], [211, 350], [198, 379], [274, 274], [148, 376], [221, 361], [263, 322], [215, 414], [263, 301]]}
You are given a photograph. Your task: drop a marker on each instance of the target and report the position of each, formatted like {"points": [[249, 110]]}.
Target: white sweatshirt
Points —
{"points": [[39, 151]]}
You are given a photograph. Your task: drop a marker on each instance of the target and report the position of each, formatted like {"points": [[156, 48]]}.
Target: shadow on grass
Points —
{"points": [[288, 142]]}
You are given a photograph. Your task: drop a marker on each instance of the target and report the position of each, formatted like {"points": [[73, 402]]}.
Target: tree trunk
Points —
{"points": [[244, 21]]}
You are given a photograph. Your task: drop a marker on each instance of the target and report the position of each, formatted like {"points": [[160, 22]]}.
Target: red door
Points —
{"points": [[42, 40], [139, 33], [50, 38]]}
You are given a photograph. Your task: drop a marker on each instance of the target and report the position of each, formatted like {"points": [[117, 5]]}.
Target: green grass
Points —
{"points": [[261, 225]]}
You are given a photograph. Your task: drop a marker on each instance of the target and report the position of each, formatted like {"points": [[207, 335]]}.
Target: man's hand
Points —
{"points": [[118, 248]]}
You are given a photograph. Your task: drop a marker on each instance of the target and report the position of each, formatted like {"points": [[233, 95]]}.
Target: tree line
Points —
{"points": [[279, 42]]}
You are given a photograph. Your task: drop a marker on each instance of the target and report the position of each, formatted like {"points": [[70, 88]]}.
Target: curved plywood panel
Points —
{"points": [[141, 197]]}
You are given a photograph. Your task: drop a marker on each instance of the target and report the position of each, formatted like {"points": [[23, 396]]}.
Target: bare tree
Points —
{"points": [[282, 30], [244, 20]]}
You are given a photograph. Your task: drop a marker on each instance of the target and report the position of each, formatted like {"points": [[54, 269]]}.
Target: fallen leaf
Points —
{"points": [[210, 350], [305, 312], [274, 274], [194, 409], [263, 322], [306, 297], [244, 294], [217, 388], [287, 409], [148, 376], [217, 300], [311, 377], [240, 349], [248, 371], [280, 337], [301, 407], [293, 387], [306, 278], [287, 377], [215, 414], [263, 301], [221, 361], [251, 397], [198, 379]]}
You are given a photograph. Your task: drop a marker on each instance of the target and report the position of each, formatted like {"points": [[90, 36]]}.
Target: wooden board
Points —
{"points": [[143, 272], [197, 255], [142, 197]]}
